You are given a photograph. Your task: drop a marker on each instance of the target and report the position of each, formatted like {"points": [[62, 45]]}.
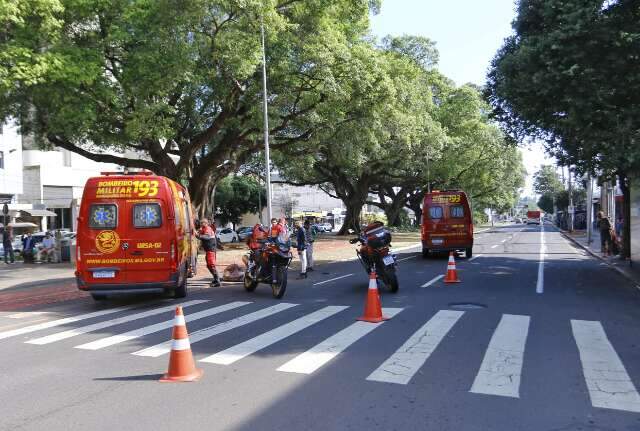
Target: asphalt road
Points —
{"points": [[517, 345]]}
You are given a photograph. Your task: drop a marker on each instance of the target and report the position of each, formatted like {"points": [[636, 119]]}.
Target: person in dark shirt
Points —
{"points": [[27, 248], [7, 244]]}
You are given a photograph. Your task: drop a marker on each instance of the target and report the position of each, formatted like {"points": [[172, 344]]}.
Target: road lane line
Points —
{"points": [[407, 258], [332, 279], [320, 354], [494, 246], [504, 240], [475, 257], [101, 325], [202, 334], [411, 356], [59, 322], [239, 351], [429, 283], [540, 282], [137, 333], [501, 367], [607, 380], [29, 314]]}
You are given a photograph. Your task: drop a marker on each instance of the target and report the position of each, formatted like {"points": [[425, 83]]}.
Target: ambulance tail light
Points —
{"points": [[78, 255], [173, 255]]}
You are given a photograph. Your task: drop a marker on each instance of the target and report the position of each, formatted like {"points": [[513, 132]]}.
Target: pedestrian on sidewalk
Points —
{"points": [[207, 235], [604, 226], [7, 243], [310, 235], [27, 248], [301, 246]]}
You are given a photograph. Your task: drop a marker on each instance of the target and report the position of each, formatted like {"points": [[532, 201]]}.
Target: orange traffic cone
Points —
{"points": [[182, 367], [372, 307], [452, 274]]}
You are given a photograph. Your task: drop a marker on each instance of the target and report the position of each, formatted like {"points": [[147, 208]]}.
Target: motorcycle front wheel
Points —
{"points": [[391, 280], [278, 288], [250, 284]]}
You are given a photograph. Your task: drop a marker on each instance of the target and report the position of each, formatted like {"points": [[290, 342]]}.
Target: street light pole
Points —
{"points": [[266, 123]]}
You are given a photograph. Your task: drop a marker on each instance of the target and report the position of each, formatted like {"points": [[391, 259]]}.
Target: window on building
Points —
{"points": [[1, 159]]}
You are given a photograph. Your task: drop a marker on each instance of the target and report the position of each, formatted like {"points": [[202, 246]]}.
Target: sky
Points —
{"points": [[467, 34]]}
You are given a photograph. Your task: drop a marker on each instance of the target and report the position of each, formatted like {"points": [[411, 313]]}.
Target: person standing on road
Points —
{"points": [[310, 234], [604, 225], [207, 235], [301, 246], [7, 243]]}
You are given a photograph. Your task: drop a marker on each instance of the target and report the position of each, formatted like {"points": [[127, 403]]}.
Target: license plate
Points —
{"points": [[104, 274], [388, 260], [436, 241]]}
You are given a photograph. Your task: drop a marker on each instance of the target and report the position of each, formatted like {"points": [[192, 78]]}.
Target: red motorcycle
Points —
{"points": [[268, 264], [374, 254]]}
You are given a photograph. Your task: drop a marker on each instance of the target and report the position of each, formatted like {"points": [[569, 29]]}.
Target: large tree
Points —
{"points": [[173, 87], [567, 76]]}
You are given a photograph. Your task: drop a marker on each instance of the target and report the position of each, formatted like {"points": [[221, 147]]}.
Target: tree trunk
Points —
{"points": [[392, 211], [626, 214], [417, 210], [352, 217]]}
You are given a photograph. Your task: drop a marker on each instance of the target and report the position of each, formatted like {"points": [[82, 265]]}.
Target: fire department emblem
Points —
{"points": [[107, 241]]}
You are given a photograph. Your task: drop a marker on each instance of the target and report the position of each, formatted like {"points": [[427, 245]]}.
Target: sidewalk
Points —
{"points": [[624, 267], [23, 275]]}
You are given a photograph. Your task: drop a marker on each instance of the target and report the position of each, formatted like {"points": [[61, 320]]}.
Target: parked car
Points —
{"points": [[326, 227], [226, 235], [519, 220], [243, 232]]}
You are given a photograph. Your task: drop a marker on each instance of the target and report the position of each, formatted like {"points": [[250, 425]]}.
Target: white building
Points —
{"points": [[11, 182], [53, 184]]}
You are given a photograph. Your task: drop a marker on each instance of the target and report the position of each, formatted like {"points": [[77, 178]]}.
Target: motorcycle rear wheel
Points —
{"points": [[391, 280], [278, 289]]}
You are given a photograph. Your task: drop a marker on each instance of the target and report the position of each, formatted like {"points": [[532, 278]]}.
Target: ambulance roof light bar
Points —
{"points": [[145, 172]]}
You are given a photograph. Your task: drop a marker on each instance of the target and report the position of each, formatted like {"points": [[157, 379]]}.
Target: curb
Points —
{"points": [[600, 258]]}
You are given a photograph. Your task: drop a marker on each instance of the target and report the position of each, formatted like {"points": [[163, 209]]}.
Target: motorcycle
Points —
{"points": [[374, 255], [271, 267]]}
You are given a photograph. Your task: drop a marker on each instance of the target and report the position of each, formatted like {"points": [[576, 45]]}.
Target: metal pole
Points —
{"points": [[589, 210], [266, 122], [571, 210]]}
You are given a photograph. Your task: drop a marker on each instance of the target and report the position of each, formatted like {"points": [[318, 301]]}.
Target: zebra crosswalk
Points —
{"points": [[499, 374]]}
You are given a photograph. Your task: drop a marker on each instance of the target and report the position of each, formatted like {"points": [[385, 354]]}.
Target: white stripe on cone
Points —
{"points": [[181, 344], [179, 321]]}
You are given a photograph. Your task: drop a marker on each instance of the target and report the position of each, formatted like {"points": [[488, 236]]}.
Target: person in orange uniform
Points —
{"points": [[207, 234]]}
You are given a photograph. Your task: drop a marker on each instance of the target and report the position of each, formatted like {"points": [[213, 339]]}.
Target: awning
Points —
{"points": [[40, 213]]}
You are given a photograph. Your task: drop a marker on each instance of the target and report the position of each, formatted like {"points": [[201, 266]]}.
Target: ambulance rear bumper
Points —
{"points": [[128, 288]]}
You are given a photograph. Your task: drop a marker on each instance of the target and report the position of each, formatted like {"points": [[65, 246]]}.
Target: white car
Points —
{"points": [[227, 235]]}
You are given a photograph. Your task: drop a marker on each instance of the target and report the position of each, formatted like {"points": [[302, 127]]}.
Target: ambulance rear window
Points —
{"points": [[457, 211], [147, 215], [435, 212], [103, 216]]}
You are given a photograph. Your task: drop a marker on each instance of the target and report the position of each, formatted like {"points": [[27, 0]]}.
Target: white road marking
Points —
{"points": [[407, 258], [29, 314], [504, 240], [607, 380], [429, 283], [202, 334], [407, 360], [332, 279], [59, 322], [100, 325], [501, 367], [317, 356], [137, 333], [540, 282], [475, 257], [239, 351], [494, 246]]}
